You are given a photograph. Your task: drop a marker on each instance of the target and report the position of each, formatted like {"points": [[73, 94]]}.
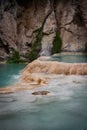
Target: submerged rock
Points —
{"points": [[41, 93]]}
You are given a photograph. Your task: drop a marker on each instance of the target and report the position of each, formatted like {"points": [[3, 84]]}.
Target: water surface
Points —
{"points": [[64, 109], [10, 73], [70, 58]]}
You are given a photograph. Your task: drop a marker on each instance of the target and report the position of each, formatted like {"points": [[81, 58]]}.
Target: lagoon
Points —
{"points": [[64, 109]]}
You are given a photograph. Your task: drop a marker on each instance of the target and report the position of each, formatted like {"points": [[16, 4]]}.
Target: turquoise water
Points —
{"points": [[70, 58], [9, 73], [64, 109]]}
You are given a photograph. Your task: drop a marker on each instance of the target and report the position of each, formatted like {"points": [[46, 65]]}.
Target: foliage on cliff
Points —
{"points": [[15, 58], [57, 44], [36, 45]]}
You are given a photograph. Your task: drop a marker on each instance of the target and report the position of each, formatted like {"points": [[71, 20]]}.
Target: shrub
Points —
{"points": [[57, 44], [15, 58], [33, 55], [36, 46]]}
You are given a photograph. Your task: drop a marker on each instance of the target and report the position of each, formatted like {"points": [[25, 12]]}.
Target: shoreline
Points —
{"points": [[47, 57], [70, 53], [13, 63]]}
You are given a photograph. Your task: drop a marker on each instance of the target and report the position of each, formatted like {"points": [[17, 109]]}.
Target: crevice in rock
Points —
{"points": [[24, 3], [5, 46], [68, 30], [55, 11], [78, 18], [36, 45]]}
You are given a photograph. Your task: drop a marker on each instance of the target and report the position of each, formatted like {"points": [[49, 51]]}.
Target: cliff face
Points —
{"points": [[27, 24], [72, 22]]}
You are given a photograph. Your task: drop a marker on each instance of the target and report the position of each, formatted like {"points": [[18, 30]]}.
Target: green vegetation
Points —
{"points": [[86, 47], [33, 55], [15, 58], [57, 44], [36, 46]]}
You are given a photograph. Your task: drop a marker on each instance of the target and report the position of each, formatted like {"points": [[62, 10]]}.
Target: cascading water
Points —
{"points": [[46, 50]]}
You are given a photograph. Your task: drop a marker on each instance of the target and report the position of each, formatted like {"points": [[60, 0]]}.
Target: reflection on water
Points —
{"points": [[64, 109]]}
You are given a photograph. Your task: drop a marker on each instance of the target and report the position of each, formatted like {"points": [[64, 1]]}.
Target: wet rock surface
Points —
{"points": [[54, 67], [41, 93]]}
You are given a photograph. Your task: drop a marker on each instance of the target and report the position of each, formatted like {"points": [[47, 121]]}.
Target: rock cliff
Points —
{"points": [[30, 26]]}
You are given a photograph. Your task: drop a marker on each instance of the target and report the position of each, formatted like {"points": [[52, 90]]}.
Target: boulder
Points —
{"points": [[41, 93]]}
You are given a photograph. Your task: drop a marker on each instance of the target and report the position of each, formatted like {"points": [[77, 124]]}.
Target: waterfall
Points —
{"points": [[46, 49]]}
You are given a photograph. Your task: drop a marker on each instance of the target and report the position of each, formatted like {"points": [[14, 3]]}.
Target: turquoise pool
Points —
{"points": [[70, 58], [10, 73], [64, 109]]}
